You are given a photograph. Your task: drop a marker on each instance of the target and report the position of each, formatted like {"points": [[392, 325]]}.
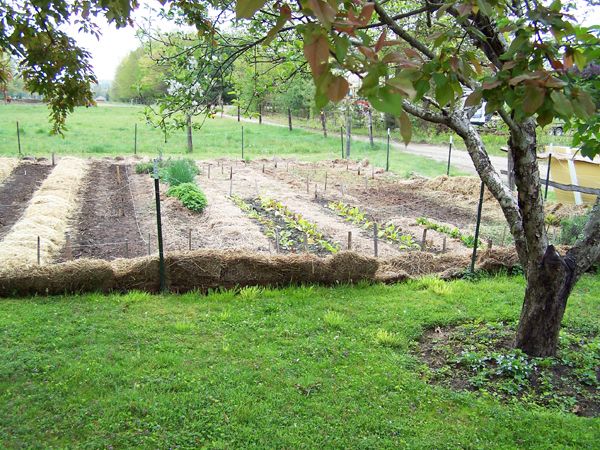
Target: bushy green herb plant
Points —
{"points": [[179, 171], [190, 195]]}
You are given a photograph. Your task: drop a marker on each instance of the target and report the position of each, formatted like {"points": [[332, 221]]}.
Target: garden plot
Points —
{"points": [[359, 205], [105, 226], [46, 217], [6, 167], [17, 190], [249, 183], [450, 203], [220, 226]]}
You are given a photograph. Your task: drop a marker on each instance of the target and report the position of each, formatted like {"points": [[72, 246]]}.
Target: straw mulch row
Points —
{"points": [[205, 269]]}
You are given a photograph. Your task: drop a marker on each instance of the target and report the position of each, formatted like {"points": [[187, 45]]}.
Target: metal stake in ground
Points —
{"points": [[424, 240], [161, 256], [548, 176], [135, 139], [449, 156], [349, 240], [19, 139], [39, 251], [479, 208], [342, 139], [242, 142], [375, 240], [387, 157], [290, 119], [230, 181]]}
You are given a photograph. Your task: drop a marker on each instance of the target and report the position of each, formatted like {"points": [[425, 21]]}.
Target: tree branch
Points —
{"points": [[586, 251]]}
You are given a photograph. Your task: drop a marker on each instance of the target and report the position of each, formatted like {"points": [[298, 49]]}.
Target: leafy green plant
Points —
{"points": [[468, 240], [388, 231], [190, 195], [334, 319], [179, 171], [387, 338], [571, 229]]}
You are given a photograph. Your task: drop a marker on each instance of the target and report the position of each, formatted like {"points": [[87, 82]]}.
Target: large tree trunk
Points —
{"points": [[548, 288]]}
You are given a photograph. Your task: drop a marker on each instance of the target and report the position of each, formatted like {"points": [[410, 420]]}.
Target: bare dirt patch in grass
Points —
{"points": [[480, 357]]}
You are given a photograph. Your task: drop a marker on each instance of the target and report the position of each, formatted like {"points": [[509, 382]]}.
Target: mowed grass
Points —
{"points": [[303, 367], [108, 130]]}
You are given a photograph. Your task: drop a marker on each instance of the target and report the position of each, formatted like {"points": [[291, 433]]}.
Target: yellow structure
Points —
{"points": [[569, 167]]}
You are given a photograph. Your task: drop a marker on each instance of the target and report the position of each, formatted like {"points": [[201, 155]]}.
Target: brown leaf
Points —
{"points": [[337, 89], [380, 41], [316, 53], [368, 52], [366, 13], [534, 98], [323, 11]]}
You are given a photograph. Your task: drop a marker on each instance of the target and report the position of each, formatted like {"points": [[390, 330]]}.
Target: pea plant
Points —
{"points": [[388, 231], [467, 239]]}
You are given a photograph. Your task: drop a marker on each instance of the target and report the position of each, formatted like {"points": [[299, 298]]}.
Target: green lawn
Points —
{"points": [[109, 130], [289, 368]]}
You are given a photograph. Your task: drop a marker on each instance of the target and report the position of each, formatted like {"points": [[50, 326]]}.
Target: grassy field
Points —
{"points": [[292, 368], [109, 130], [492, 138]]}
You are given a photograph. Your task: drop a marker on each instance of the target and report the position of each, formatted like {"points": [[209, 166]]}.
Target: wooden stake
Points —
{"points": [[53, 161], [68, 249], [349, 240], [263, 170], [118, 174], [307, 188], [189, 239], [424, 240], [489, 243], [126, 248], [290, 119], [315, 191], [39, 251], [306, 242], [209, 171], [444, 245], [325, 187]]}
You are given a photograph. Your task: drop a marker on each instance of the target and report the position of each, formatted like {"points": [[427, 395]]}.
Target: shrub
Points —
{"points": [[179, 171], [571, 229], [190, 196]]}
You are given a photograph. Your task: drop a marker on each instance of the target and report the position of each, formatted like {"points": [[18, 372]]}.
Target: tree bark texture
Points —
{"points": [[190, 143]]}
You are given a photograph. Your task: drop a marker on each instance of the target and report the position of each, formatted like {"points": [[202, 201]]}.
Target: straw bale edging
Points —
{"points": [[7, 165], [208, 269]]}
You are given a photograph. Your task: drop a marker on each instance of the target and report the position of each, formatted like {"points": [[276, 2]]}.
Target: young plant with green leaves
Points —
{"points": [[388, 231], [467, 239]]}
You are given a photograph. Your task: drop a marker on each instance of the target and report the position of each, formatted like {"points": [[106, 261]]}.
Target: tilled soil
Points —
{"points": [[106, 227], [374, 199], [220, 226], [249, 181], [17, 190]]}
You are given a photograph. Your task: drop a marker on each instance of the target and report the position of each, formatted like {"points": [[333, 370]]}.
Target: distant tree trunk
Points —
{"points": [[290, 119], [190, 143], [323, 123], [260, 113], [370, 127]]}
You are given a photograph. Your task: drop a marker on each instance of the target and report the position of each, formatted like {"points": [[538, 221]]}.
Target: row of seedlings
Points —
{"points": [[468, 240], [290, 231], [389, 232]]}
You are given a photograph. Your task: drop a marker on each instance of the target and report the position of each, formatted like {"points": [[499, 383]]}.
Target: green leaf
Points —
{"points": [[533, 99], [562, 105], [245, 9], [405, 127], [384, 100], [342, 43], [474, 98], [403, 85]]}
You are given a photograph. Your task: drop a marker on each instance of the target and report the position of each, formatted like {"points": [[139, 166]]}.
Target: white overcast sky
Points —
{"points": [[114, 45]]}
